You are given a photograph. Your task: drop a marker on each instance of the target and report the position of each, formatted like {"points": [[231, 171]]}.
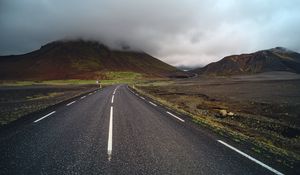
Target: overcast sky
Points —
{"points": [[187, 32]]}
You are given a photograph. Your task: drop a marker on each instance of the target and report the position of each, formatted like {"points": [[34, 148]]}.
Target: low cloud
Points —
{"points": [[189, 33]]}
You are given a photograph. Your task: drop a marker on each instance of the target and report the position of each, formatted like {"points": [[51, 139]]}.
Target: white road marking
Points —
{"points": [[115, 90], [82, 97], [109, 144], [251, 158], [175, 116], [70, 103], [143, 98], [112, 99], [90, 93], [152, 103], [44, 116]]}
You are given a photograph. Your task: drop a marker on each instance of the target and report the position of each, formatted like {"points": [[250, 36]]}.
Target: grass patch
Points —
{"points": [[87, 64], [123, 75], [111, 78], [47, 82], [46, 96], [17, 83], [122, 78]]}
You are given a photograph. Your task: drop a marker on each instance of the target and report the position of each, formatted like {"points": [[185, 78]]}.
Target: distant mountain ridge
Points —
{"points": [[79, 59], [276, 59]]}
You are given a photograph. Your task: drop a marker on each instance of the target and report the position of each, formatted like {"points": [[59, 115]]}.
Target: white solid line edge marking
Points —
{"points": [[82, 97], [44, 116], [90, 93], [143, 98], [251, 158], [110, 130], [175, 116], [112, 98], [70, 103], [152, 103]]}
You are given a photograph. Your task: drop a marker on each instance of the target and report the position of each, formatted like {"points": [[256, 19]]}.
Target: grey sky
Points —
{"points": [[189, 32]]}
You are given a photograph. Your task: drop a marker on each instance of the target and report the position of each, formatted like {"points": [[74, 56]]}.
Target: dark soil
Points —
{"points": [[16, 102]]}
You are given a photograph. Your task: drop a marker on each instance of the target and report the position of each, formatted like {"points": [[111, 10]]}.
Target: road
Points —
{"points": [[116, 131]]}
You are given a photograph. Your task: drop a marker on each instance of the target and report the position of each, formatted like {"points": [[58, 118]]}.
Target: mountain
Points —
{"points": [[79, 59], [276, 59], [185, 68]]}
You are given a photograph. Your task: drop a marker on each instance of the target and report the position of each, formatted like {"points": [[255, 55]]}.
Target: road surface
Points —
{"points": [[116, 131]]}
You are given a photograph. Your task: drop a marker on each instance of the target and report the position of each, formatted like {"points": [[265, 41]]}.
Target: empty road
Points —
{"points": [[116, 131]]}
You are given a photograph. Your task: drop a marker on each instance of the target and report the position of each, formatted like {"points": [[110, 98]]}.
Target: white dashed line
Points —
{"points": [[44, 116], [90, 93], [115, 90], [152, 103], [175, 116], [82, 97], [70, 103], [112, 99], [142, 98], [110, 130], [251, 158]]}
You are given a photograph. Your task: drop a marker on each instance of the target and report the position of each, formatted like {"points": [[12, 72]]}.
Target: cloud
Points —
{"points": [[189, 33]]}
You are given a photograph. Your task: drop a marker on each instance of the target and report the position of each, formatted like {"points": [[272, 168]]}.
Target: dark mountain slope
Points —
{"points": [[79, 59], [276, 59]]}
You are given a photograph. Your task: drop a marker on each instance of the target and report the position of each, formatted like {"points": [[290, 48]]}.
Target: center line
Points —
{"points": [[82, 97], [112, 99], [70, 103], [115, 90], [175, 116], [251, 158], [109, 144], [44, 117]]}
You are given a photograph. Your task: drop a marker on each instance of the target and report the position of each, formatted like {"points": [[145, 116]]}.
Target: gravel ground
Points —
{"points": [[16, 102]]}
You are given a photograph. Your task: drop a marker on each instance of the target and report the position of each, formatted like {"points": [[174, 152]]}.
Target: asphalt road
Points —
{"points": [[115, 131]]}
